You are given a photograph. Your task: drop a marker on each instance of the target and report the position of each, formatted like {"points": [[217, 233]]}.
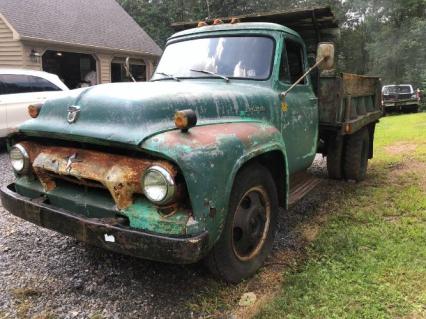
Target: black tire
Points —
{"points": [[2, 145], [411, 109], [335, 158], [231, 259], [355, 161]]}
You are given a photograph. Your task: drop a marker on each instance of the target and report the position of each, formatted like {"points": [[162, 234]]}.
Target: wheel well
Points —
{"points": [[274, 161]]}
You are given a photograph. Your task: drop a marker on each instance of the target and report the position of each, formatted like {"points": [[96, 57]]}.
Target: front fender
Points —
{"points": [[209, 157]]}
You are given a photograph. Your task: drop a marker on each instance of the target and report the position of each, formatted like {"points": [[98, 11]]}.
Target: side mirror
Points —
{"points": [[325, 61], [325, 53]]}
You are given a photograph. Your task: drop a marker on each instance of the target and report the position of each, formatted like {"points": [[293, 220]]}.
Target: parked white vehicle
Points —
{"points": [[401, 97], [18, 89]]}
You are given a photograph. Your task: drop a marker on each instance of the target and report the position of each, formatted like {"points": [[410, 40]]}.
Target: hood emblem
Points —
{"points": [[73, 112], [71, 160]]}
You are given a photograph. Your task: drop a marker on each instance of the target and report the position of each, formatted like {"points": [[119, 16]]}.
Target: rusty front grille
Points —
{"points": [[120, 174], [75, 180]]}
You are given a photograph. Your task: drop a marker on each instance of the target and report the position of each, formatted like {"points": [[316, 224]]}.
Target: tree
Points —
{"points": [[380, 37]]}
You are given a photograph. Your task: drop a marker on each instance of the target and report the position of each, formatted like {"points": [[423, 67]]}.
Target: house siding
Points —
{"points": [[32, 63], [104, 64], [11, 50]]}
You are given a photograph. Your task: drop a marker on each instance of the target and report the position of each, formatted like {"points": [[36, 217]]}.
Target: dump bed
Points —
{"points": [[348, 102]]}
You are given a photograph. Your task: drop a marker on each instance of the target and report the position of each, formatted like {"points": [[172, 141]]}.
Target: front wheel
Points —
{"points": [[250, 226]]}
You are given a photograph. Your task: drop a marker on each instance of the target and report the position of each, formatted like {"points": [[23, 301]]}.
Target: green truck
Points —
{"points": [[196, 164]]}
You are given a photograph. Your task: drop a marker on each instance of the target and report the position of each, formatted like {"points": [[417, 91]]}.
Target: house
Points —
{"points": [[75, 39]]}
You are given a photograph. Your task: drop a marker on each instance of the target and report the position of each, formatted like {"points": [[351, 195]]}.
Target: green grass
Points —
{"points": [[369, 259]]}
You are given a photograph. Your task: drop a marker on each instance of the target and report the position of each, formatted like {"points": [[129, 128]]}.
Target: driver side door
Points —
{"points": [[299, 110]]}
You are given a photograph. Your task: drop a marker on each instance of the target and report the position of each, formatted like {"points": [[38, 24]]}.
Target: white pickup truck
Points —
{"points": [[18, 89], [400, 98]]}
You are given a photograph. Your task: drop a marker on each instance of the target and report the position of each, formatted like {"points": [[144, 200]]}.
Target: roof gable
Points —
{"points": [[99, 23]]}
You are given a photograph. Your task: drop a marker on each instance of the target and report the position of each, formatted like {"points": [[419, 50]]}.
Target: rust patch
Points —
{"points": [[210, 134], [359, 85], [121, 175]]}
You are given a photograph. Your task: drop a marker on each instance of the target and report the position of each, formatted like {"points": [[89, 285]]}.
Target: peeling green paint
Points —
{"points": [[237, 121], [209, 157], [143, 215]]}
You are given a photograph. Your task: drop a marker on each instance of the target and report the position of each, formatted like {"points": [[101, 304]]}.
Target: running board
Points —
{"points": [[300, 185]]}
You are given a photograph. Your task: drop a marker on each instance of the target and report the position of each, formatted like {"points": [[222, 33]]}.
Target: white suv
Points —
{"points": [[18, 89]]}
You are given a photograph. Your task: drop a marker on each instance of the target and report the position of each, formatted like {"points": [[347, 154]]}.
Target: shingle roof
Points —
{"points": [[100, 23]]}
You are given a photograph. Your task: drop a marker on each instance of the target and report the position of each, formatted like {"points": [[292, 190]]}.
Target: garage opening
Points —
{"points": [[119, 74], [74, 69]]}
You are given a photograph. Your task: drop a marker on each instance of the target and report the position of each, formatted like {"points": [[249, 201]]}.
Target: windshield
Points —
{"points": [[230, 57], [397, 89]]}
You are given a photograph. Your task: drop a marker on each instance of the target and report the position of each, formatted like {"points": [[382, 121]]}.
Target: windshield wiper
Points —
{"points": [[211, 73], [168, 76]]}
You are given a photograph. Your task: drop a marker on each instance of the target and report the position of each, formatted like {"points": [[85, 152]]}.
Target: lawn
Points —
{"points": [[368, 259]]}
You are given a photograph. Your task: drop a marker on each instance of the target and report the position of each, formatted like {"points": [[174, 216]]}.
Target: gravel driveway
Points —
{"points": [[44, 273]]}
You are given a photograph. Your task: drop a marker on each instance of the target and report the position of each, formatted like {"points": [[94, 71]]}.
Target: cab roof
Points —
{"points": [[242, 26]]}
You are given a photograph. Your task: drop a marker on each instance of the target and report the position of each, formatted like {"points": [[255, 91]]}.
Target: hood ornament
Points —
{"points": [[73, 112], [71, 160]]}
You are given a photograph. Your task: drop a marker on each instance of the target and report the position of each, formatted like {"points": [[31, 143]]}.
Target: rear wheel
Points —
{"points": [[335, 157], [415, 109], [355, 161], [250, 226]]}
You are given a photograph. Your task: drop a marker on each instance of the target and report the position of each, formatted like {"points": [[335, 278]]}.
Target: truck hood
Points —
{"points": [[131, 112]]}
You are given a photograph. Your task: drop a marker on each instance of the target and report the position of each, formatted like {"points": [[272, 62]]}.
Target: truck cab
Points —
{"points": [[246, 66], [195, 164]]}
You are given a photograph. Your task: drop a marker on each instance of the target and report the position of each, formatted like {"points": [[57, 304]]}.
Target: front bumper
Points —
{"points": [[106, 233], [400, 105]]}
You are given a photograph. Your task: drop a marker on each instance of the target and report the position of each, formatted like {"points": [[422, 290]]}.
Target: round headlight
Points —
{"points": [[158, 185], [19, 158]]}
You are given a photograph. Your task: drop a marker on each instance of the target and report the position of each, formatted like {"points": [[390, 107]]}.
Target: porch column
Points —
{"points": [[103, 68], [149, 68]]}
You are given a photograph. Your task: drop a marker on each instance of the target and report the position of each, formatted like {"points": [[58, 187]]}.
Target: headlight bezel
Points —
{"points": [[170, 185], [25, 158]]}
